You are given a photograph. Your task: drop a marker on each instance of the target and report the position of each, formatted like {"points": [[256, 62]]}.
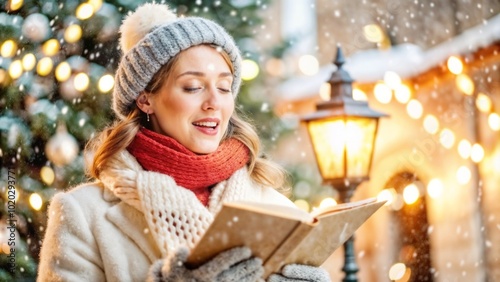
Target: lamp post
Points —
{"points": [[342, 132]]}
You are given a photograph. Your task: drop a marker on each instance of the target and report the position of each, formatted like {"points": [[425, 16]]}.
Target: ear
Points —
{"points": [[144, 103]]}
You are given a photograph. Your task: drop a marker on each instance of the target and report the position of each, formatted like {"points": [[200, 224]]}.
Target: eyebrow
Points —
{"points": [[198, 73]]}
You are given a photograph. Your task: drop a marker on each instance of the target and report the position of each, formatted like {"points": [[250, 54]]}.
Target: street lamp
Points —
{"points": [[342, 132]]}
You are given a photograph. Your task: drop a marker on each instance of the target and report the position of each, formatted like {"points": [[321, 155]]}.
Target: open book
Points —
{"points": [[281, 235]]}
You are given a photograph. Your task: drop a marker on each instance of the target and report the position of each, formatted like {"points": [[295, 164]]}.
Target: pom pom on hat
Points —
{"points": [[136, 25]]}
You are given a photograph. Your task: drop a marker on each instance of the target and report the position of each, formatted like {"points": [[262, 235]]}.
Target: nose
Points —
{"points": [[212, 99]]}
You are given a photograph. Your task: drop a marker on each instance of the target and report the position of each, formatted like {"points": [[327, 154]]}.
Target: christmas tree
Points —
{"points": [[56, 77]]}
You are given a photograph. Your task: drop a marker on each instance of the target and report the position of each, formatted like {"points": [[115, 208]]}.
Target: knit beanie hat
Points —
{"points": [[153, 35]]}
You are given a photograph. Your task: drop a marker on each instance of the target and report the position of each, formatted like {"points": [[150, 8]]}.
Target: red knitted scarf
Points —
{"points": [[160, 153]]}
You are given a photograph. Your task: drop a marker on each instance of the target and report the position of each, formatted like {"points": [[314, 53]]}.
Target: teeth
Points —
{"points": [[206, 124]]}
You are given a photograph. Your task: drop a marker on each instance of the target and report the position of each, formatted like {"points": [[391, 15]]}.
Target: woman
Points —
{"points": [[176, 153]]}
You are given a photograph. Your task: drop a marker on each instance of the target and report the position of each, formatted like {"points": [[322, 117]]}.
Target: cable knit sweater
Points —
{"points": [[115, 229]]}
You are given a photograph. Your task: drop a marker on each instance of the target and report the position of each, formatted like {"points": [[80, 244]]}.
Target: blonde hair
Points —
{"points": [[121, 133]]}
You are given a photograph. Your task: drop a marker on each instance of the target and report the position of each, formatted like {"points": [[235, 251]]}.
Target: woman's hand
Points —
{"points": [[236, 264], [300, 272]]}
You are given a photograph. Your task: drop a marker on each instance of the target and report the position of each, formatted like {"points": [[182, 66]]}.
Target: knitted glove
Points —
{"points": [[235, 264], [300, 273]]}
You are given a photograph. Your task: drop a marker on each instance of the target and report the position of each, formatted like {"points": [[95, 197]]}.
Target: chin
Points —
{"points": [[205, 150]]}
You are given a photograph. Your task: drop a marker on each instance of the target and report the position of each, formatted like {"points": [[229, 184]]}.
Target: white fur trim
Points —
{"points": [[136, 25]]}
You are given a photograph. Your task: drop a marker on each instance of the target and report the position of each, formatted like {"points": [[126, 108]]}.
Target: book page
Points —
{"points": [[276, 210], [336, 208]]}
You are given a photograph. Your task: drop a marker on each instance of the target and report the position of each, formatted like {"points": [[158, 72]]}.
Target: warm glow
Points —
{"points": [[308, 65], [96, 4], [435, 188], [402, 93], [249, 69], [44, 66], [8, 49], [392, 79], [494, 121], [47, 174], [73, 33], [477, 153], [3, 78], [464, 148], [36, 201], [463, 175], [373, 33], [483, 103], [334, 139], [359, 95], [411, 194], [81, 82], [324, 91], [84, 11], [431, 124], [63, 71], [447, 138], [106, 83], [16, 69], [29, 62], [414, 109], [383, 93], [15, 5], [455, 65], [397, 271], [327, 202], [275, 67], [465, 84], [302, 204], [389, 195], [50, 47]]}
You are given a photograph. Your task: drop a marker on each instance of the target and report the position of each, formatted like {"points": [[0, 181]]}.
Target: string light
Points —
{"points": [[463, 175], [414, 109], [250, 69], [8, 49], [383, 93], [16, 69], [84, 11], [411, 194], [16, 5], [392, 79], [36, 201], [63, 71], [494, 121], [447, 138], [44, 66], [73, 33], [359, 95], [327, 202], [464, 148], [50, 47], [477, 153], [431, 124], [435, 188], [402, 93], [483, 103], [465, 84], [106, 83], [302, 204], [81, 82], [455, 65], [29, 62], [308, 65]]}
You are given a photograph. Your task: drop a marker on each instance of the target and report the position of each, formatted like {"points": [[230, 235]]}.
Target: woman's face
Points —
{"points": [[195, 102]]}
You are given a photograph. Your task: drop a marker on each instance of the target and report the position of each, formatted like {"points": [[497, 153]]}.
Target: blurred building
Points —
{"points": [[435, 68]]}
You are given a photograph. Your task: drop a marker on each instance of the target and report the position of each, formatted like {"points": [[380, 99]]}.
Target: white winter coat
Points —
{"points": [[94, 236]]}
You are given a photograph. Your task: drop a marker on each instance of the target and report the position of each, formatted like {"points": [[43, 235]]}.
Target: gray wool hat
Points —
{"points": [[160, 44]]}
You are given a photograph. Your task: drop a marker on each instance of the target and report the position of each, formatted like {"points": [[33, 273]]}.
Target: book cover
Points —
{"points": [[279, 234]]}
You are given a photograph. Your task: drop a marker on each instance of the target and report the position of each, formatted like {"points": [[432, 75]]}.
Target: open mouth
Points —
{"points": [[206, 124]]}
